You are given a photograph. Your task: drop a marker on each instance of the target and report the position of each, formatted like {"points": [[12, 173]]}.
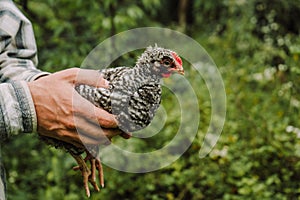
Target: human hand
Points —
{"points": [[62, 112]]}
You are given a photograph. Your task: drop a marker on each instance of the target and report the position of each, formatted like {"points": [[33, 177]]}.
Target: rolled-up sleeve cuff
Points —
{"points": [[17, 111], [29, 119], [38, 75]]}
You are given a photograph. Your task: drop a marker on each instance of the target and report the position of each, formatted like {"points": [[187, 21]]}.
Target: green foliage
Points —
{"points": [[256, 46]]}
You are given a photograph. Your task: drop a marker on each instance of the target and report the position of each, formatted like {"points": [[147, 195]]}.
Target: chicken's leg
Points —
{"points": [[85, 171], [96, 165], [89, 175]]}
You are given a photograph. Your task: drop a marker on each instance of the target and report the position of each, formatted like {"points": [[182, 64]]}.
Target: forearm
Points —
{"points": [[17, 113]]}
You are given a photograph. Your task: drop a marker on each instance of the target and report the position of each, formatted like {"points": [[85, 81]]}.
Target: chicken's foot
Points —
{"points": [[89, 175]]}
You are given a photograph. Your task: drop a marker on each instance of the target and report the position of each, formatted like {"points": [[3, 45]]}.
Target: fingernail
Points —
{"points": [[126, 135]]}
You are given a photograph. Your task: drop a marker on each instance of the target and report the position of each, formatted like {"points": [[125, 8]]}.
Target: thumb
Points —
{"points": [[90, 77]]}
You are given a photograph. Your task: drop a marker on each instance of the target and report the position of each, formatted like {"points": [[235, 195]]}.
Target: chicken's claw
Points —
{"points": [[89, 175], [100, 171], [92, 177]]}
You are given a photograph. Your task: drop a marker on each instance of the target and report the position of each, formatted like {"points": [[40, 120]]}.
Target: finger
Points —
{"points": [[110, 133], [91, 77], [87, 141], [126, 135], [78, 139], [91, 134], [96, 115], [105, 119], [102, 118], [67, 136]]}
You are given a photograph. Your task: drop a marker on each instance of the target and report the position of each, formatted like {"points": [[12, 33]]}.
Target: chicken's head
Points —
{"points": [[162, 62]]}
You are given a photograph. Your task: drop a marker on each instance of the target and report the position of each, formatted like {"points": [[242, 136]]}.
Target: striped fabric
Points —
{"points": [[18, 60]]}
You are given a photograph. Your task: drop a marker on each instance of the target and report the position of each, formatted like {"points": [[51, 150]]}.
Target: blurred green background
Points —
{"points": [[255, 45]]}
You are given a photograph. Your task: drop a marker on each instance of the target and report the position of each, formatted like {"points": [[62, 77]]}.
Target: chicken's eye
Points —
{"points": [[166, 62]]}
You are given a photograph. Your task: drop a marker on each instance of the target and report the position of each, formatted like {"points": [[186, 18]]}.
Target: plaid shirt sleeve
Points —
{"points": [[18, 60], [17, 114], [18, 51]]}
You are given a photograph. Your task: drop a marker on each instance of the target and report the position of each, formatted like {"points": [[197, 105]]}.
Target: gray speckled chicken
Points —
{"points": [[134, 95]]}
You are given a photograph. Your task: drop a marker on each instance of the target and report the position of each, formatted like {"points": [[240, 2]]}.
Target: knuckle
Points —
{"points": [[109, 123], [71, 73], [73, 70], [69, 124]]}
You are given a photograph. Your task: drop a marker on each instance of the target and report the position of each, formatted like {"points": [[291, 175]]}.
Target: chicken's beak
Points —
{"points": [[179, 69], [178, 64]]}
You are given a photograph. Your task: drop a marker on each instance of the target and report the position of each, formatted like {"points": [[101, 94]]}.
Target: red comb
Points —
{"points": [[177, 58]]}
